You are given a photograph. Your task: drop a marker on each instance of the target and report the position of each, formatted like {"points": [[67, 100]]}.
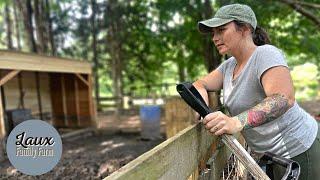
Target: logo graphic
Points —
{"points": [[34, 147]]}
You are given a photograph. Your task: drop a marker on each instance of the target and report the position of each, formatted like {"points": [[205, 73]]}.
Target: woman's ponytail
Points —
{"points": [[260, 36]]}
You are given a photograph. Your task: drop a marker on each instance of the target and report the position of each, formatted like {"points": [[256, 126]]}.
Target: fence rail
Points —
{"points": [[178, 157], [128, 102]]}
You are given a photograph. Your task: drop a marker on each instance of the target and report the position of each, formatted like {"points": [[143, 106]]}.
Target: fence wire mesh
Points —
{"points": [[234, 169]]}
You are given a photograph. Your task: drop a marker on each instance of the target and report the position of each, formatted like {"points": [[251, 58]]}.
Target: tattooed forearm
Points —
{"points": [[269, 109]]}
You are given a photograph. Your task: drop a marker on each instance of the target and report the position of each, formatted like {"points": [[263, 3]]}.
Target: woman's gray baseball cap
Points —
{"points": [[227, 14]]}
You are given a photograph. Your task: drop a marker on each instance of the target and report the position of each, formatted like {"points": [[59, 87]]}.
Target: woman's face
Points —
{"points": [[226, 38]]}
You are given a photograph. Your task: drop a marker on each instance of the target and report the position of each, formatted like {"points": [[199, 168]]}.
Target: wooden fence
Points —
{"points": [[106, 103], [177, 157], [187, 152]]}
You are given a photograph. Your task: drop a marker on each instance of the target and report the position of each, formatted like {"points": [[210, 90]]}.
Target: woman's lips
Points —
{"points": [[219, 45]]}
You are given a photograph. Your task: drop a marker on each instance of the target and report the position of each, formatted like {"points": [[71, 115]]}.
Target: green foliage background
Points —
{"points": [[159, 39]]}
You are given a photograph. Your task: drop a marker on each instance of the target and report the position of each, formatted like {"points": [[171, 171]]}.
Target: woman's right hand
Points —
{"points": [[197, 116]]}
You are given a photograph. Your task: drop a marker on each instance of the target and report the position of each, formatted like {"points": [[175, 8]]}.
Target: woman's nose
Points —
{"points": [[214, 37]]}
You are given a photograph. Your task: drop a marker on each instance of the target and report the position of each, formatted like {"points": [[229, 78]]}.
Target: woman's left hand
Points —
{"points": [[218, 123]]}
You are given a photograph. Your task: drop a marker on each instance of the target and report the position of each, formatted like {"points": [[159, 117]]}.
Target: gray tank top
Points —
{"points": [[289, 135]]}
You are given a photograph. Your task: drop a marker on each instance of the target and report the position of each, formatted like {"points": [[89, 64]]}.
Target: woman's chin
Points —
{"points": [[222, 52]]}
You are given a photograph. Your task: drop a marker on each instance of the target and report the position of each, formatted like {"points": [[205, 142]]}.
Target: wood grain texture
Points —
{"points": [[176, 158], [2, 124], [33, 62], [82, 79], [8, 76]]}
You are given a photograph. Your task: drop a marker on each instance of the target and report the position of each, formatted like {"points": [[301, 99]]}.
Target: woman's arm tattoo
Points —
{"points": [[269, 109]]}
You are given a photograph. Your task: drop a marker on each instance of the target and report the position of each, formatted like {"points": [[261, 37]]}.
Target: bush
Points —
{"points": [[305, 80]]}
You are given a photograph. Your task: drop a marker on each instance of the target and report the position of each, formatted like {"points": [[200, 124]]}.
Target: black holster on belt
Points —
{"points": [[269, 160]]}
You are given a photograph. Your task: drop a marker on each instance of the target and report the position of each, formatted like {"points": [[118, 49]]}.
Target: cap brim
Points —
{"points": [[207, 25]]}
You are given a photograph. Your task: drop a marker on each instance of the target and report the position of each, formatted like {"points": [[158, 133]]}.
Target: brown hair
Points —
{"points": [[259, 35]]}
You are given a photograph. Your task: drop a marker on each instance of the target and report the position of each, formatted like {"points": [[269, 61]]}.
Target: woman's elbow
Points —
{"points": [[200, 84], [291, 100]]}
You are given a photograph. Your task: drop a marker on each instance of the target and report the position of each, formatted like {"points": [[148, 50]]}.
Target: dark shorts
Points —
{"points": [[309, 162]]}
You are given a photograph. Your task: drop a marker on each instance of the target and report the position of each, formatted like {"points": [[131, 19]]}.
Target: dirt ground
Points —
{"points": [[97, 156]]}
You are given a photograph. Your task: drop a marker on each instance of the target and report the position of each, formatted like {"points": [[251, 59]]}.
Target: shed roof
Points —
{"points": [[34, 62]]}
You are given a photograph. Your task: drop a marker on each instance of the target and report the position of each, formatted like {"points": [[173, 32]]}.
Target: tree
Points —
{"points": [[289, 30], [94, 49], [185, 36], [41, 26], [212, 57], [144, 43], [17, 25], [115, 45], [301, 7], [49, 27], [9, 26], [26, 11]]}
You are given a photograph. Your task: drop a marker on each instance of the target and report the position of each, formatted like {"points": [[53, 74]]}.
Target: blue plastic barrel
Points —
{"points": [[150, 113], [150, 116]]}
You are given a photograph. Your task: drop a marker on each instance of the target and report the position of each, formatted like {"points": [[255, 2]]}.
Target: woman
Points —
{"points": [[257, 92]]}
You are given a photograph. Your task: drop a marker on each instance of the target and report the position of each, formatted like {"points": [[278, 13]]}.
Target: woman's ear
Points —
{"points": [[245, 30]]}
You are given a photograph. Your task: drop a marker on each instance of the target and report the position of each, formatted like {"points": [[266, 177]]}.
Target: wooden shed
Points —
{"points": [[57, 90]]}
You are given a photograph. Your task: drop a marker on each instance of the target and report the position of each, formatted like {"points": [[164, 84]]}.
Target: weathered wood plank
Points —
{"points": [[82, 79], [24, 82], [64, 99], [2, 130], [57, 101], [176, 158], [78, 133], [178, 115], [85, 115], [9, 76], [39, 94], [93, 112], [76, 92], [70, 100], [34, 62], [2, 124]]}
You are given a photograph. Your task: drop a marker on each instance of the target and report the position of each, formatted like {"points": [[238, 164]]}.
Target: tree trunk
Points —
{"points": [[94, 49], [182, 74], [117, 81], [40, 27], [50, 33], [9, 27], [17, 27], [26, 11], [115, 46], [212, 57]]}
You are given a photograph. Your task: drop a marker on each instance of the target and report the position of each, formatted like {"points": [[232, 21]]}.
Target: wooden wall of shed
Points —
{"points": [[66, 98], [57, 99], [85, 103], [12, 93], [71, 101]]}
